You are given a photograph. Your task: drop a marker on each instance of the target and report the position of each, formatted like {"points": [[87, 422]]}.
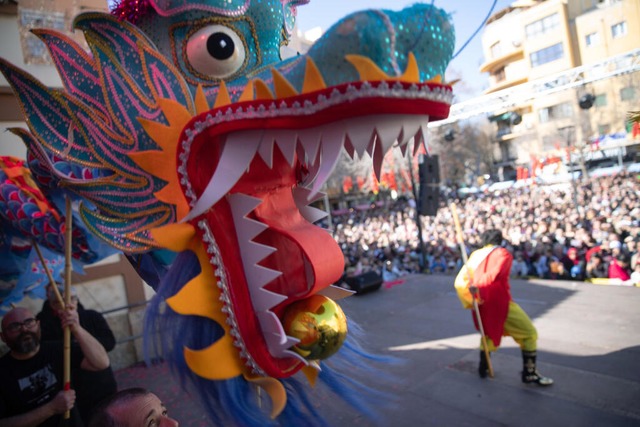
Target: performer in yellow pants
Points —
{"points": [[519, 327], [486, 274]]}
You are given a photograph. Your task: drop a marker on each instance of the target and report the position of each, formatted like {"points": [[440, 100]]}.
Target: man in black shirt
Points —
{"points": [[31, 376], [91, 387]]}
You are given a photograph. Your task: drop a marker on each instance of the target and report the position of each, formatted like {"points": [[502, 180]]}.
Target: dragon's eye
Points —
{"points": [[216, 51]]}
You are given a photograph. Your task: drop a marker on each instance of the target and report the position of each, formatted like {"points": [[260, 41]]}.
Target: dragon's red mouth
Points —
{"points": [[253, 167]]}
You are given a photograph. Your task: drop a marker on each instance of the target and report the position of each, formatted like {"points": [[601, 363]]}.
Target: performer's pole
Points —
{"points": [[67, 299], [46, 269], [476, 309]]}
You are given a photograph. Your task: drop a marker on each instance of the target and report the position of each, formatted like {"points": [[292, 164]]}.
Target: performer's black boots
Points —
{"points": [[530, 374], [483, 368]]}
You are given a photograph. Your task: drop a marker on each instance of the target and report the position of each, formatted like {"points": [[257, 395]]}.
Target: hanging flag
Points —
{"points": [[347, 184]]}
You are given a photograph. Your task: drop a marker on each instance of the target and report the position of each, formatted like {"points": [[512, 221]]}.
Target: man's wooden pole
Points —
{"points": [[476, 309], [67, 298], [46, 269]]}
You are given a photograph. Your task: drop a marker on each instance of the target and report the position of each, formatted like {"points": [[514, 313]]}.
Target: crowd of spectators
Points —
{"points": [[553, 232]]}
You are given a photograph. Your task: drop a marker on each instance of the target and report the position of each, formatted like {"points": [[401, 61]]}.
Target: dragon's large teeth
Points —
{"points": [[265, 150], [286, 141], [378, 157], [310, 140], [312, 214], [277, 341], [257, 277], [272, 328], [410, 127], [302, 195], [241, 205], [360, 134], [332, 139], [388, 130], [289, 353], [247, 229], [422, 138], [265, 300], [336, 292], [237, 152]]}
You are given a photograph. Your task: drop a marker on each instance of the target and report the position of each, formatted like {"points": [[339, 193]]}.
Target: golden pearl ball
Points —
{"points": [[320, 325]]}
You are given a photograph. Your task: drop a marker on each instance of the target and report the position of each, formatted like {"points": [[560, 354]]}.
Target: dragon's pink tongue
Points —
{"points": [[307, 255]]}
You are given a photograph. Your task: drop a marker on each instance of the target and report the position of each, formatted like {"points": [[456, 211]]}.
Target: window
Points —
{"points": [[548, 54], [496, 50], [604, 129], [542, 26], [500, 75], [627, 93], [559, 111], [601, 100], [619, 29], [592, 39]]}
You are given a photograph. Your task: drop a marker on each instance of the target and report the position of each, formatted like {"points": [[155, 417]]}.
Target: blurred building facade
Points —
{"points": [[589, 47]]}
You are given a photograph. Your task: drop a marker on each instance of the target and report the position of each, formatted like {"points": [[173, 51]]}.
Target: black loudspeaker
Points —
{"points": [[429, 199], [365, 282], [429, 170]]}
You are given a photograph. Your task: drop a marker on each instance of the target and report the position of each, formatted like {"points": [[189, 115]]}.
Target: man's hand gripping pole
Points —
{"points": [[476, 309]]}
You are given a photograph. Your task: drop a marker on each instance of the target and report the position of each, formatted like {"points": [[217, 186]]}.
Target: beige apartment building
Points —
{"points": [[590, 48]]}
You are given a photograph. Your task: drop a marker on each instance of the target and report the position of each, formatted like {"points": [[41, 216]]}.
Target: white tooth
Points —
{"points": [[266, 148], [241, 205], [247, 229], [403, 148], [302, 195], [336, 292], [348, 147], [421, 138], [266, 300], [286, 141], [310, 140], [257, 277], [281, 350], [360, 132], [315, 364], [237, 153], [271, 325], [252, 254], [312, 214], [410, 127], [295, 355], [313, 169], [388, 130], [332, 139]]}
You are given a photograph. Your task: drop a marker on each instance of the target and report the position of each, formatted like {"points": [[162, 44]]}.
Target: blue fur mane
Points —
{"points": [[236, 401]]}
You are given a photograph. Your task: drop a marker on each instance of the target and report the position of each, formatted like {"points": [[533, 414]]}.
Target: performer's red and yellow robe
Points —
{"points": [[488, 269]]}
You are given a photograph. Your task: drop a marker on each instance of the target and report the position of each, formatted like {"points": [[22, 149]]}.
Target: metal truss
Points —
{"points": [[525, 93]]}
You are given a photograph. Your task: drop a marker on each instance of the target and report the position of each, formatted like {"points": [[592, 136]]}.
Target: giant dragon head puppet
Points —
{"points": [[203, 141]]}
